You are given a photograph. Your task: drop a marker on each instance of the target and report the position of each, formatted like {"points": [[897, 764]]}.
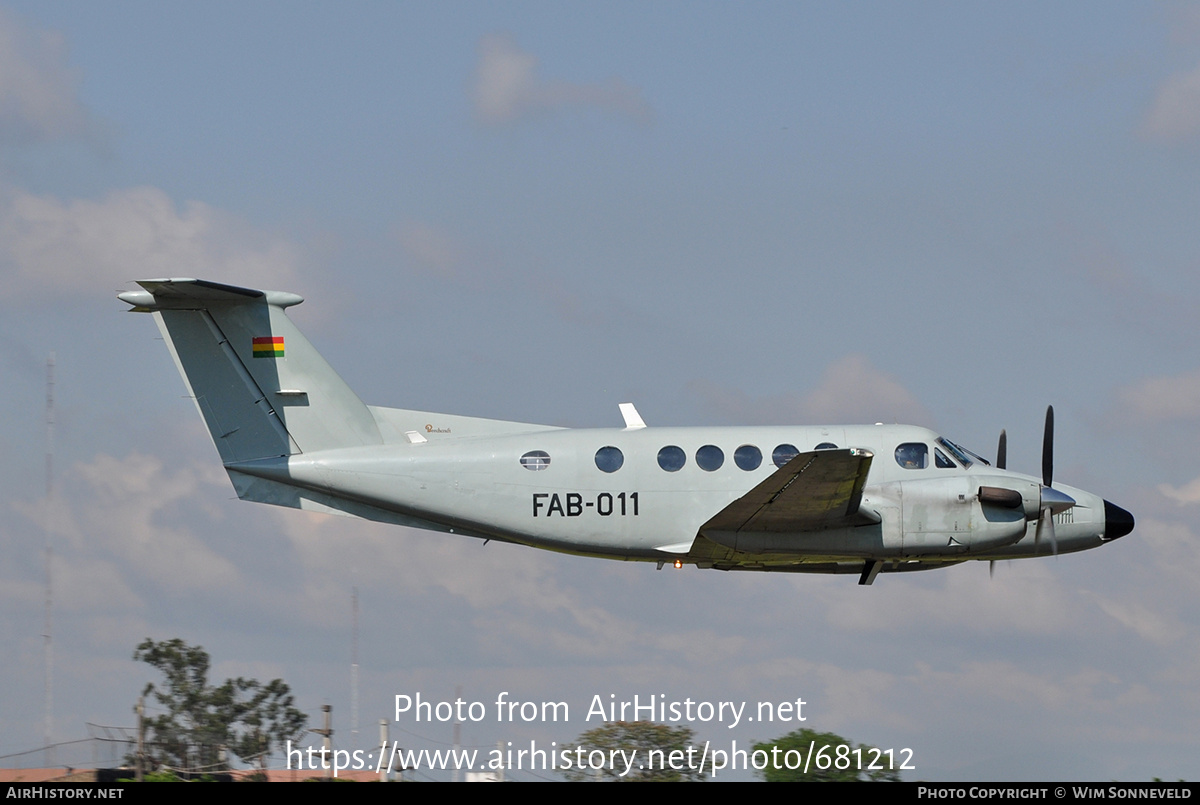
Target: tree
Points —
{"points": [[203, 723], [829, 763], [635, 751]]}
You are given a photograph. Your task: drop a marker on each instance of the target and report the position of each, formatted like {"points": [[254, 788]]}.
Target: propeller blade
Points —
{"points": [[1046, 526], [1048, 448], [1002, 451], [992, 569]]}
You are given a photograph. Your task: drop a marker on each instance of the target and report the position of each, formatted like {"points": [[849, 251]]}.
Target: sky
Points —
{"points": [[943, 214]]}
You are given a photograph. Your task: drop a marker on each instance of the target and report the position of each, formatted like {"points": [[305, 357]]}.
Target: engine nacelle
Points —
{"points": [[960, 514]]}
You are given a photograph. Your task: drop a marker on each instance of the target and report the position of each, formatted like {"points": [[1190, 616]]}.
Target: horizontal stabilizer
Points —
{"points": [[192, 294]]}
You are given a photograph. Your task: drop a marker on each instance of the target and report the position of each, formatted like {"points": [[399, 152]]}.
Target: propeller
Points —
{"points": [[1045, 525], [1046, 517], [1048, 448], [1001, 464], [1051, 500]]}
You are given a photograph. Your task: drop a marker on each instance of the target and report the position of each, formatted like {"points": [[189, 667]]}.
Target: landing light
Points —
{"points": [[678, 564]]}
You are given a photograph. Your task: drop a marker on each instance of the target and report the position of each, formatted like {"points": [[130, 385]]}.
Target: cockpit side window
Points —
{"points": [[963, 455], [913, 455], [941, 462]]}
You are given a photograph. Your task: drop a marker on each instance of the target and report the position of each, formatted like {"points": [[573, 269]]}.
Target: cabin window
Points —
{"points": [[784, 453], [535, 460], [710, 457], [609, 459], [747, 457], [826, 446], [672, 458], [912, 456]]}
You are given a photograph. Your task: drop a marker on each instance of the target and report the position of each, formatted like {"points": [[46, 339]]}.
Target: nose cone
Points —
{"points": [[1117, 521]]}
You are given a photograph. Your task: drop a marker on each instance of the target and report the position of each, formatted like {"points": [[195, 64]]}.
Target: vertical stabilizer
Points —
{"points": [[262, 388]]}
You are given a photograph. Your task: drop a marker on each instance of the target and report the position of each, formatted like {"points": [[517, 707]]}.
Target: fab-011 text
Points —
{"points": [[573, 504]]}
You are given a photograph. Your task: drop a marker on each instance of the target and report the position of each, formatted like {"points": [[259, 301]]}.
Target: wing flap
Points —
{"points": [[814, 491]]}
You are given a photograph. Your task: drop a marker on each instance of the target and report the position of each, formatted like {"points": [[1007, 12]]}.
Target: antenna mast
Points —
{"points": [[48, 630], [354, 667]]}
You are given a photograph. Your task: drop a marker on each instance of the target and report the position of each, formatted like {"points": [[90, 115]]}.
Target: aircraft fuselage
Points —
{"points": [[640, 511]]}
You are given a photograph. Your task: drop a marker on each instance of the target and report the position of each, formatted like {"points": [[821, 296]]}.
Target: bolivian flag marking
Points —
{"points": [[268, 346]]}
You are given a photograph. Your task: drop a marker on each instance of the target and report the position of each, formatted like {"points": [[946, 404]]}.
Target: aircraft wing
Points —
{"points": [[812, 492]]}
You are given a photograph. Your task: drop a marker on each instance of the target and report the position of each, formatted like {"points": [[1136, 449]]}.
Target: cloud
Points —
{"points": [[852, 387], [1175, 112], [851, 390], [1145, 621], [130, 497], [1188, 493], [1018, 600], [1174, 551], [430, 247], [83, 246], [512, 595], [1163, 399], [38, 101], [507, 87], [118, 531]]}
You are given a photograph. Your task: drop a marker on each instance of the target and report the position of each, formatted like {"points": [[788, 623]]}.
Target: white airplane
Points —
{"points": [[818, 499]]}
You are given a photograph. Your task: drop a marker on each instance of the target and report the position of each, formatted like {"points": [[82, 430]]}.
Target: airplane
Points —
{"points": [[851, 499]]}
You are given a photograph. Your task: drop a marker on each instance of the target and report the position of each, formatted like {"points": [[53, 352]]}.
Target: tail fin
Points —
{"points": [[262, 388]]}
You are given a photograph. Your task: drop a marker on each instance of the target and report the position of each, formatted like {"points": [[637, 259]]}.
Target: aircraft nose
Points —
{"points": [[1117, 521]]}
